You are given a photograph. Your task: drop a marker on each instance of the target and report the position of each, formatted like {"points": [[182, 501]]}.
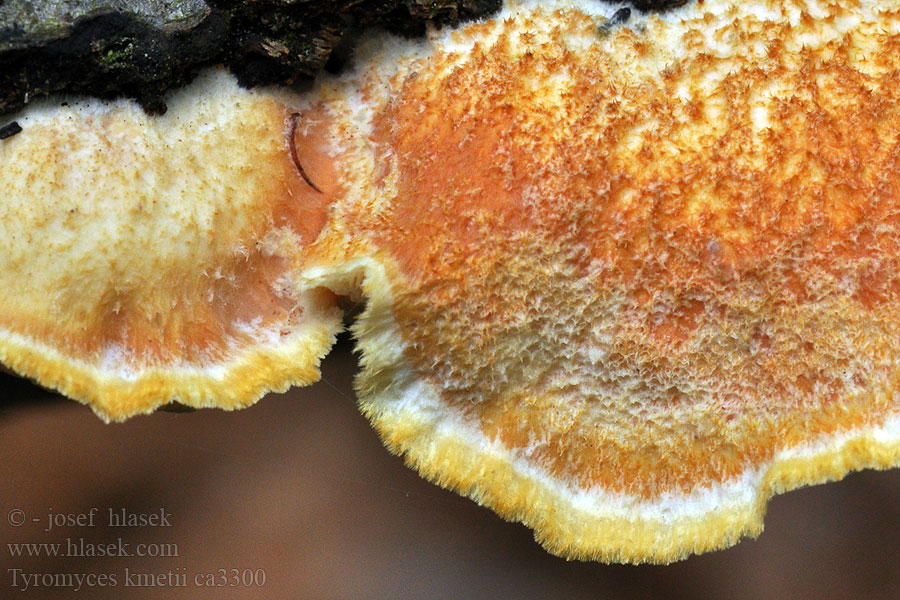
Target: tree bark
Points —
{"points": [[143, 48]]}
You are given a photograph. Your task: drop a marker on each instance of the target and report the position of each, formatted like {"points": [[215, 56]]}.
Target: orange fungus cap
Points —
{"points": [[623, 282]]}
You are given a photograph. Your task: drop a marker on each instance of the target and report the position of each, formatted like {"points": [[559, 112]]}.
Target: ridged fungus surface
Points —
{"points": [[623, 281]]}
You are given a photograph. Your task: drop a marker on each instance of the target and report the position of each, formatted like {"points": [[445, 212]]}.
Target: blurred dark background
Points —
{"points": [[299, 487]]}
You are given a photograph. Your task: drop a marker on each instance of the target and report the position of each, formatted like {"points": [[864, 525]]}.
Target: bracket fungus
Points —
{"points": [[623, 281]]}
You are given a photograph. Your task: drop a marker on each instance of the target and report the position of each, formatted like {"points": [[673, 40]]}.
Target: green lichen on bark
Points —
{"points": [[27, 23]]}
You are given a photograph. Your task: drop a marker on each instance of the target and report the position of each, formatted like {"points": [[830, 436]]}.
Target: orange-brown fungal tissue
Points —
{"points": [[624, 281]]}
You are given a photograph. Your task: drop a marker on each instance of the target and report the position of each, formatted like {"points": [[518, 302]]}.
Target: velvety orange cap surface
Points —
{"points": [[623, 282]]}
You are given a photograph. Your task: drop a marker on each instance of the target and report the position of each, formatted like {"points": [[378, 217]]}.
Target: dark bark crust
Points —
{"points": [[110, 52]]}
